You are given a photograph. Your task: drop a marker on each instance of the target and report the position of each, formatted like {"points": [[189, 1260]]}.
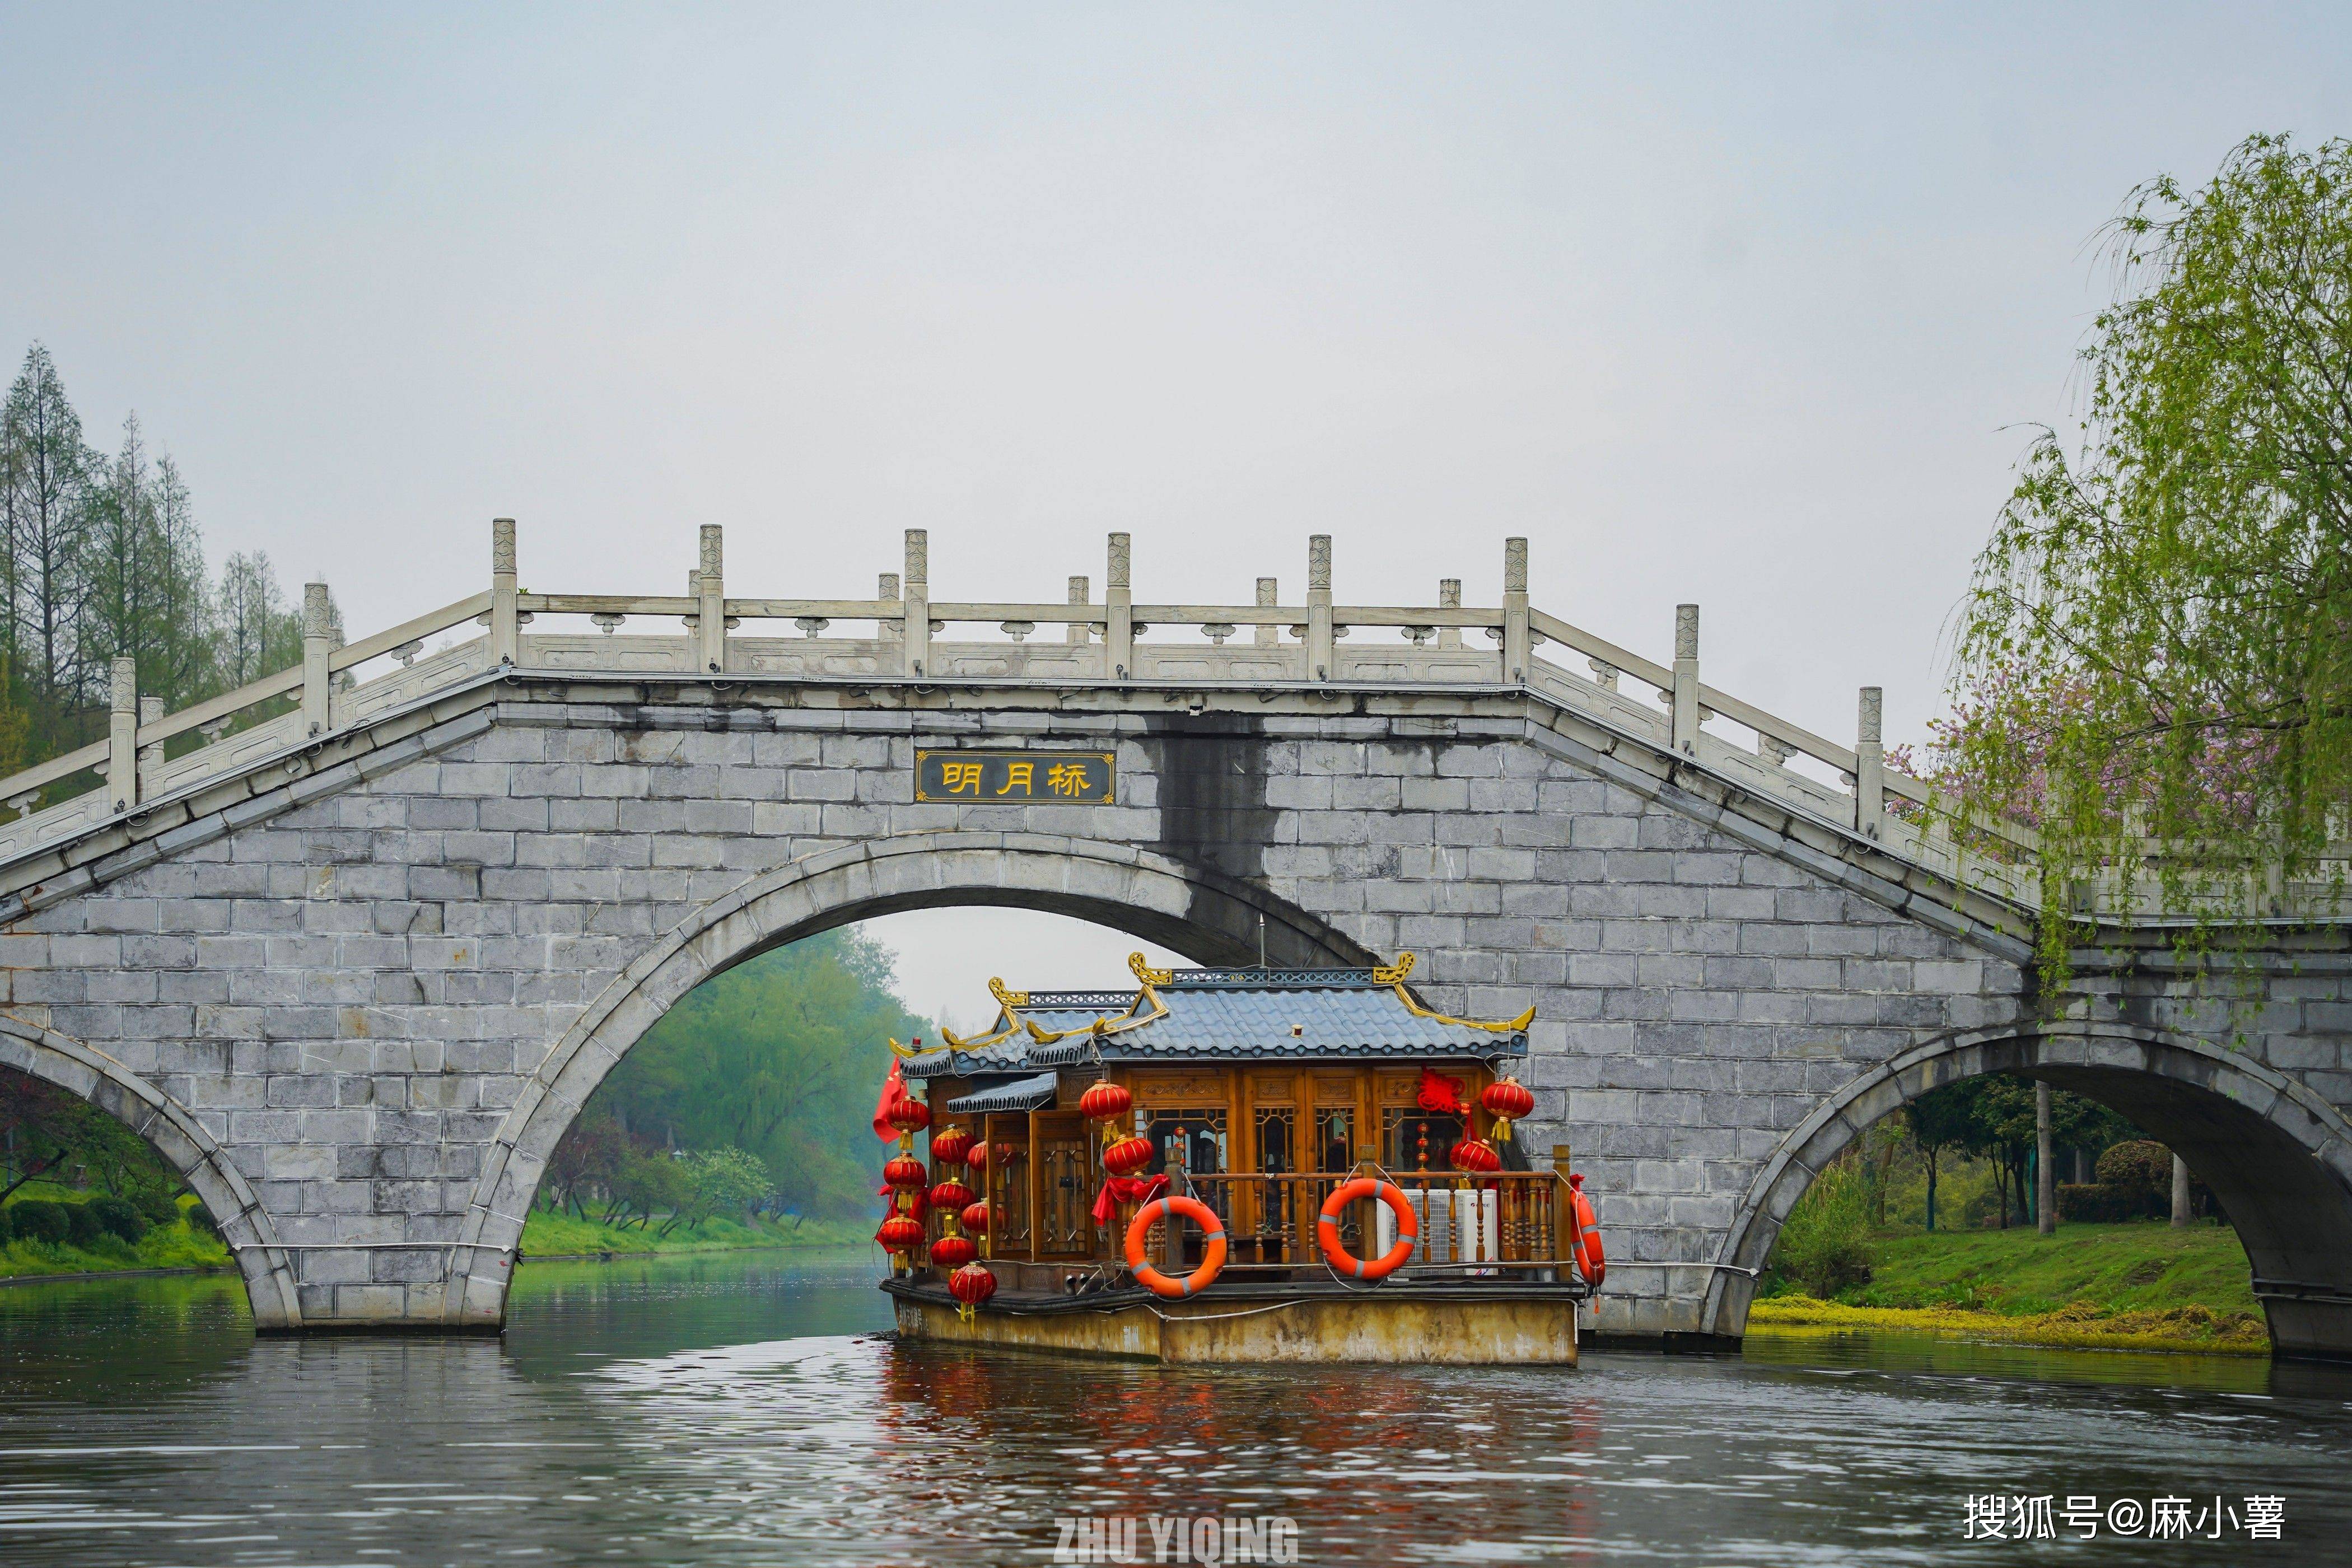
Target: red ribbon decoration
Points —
{"points": [[1117, 1190]]}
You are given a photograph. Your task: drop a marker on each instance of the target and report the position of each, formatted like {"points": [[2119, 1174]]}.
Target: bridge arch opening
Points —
{"points": [[2277, 1158], [1167, 901], [184, 1145]]}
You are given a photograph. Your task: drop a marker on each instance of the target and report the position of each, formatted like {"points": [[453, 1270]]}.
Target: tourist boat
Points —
{"points": [[1233, 1165]]}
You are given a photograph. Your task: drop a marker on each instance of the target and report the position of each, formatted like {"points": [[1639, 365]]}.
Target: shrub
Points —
{"points": [[158, 1206], [82, 1224], [2103, 1203], [119, 1219], [200, 1219], [2141, 1165], [38, 1219], [1825, 1245]]}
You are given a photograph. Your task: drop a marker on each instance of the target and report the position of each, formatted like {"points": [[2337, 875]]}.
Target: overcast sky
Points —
{"points": [[1748, 307]]}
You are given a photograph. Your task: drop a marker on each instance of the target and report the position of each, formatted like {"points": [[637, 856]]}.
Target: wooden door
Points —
{"points": [[1061, 1185]]}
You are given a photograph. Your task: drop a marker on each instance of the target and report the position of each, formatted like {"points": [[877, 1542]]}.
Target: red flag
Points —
{"points": [[894, 1089]]}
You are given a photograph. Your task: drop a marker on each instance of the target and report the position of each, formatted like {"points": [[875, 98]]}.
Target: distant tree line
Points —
{"points": [[772, 1064], [100, 557]]}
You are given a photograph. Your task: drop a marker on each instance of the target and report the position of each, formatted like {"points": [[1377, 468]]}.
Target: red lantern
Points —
{"points": [[952, 1252], [1127, 1156], [909, 1115], [900, 1233], [972, 1284], [975, 1218], [1106, 1102], [1006, 1155], [978, 1161], [950, 1195], [948, 1148], [1506, 1099], [906, 1171], [1477, 1157]]}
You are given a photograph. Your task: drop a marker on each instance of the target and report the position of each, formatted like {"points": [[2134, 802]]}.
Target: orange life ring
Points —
{"points": [[1213, 1246], [1588, 1257], [1327, 1229]]}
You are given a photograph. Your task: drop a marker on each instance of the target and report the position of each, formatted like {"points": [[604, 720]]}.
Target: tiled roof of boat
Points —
{"points": [[1346, 1014], [1230, 1014], [1021, 1094]]}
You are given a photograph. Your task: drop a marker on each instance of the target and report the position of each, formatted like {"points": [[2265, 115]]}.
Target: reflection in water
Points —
{"points": [[746, 1410]]}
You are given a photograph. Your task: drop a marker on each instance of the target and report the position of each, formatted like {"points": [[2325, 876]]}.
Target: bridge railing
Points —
{"points": [[902, 632]]}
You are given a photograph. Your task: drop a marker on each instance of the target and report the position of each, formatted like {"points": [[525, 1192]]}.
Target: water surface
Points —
{"points": [[749, 1409]]}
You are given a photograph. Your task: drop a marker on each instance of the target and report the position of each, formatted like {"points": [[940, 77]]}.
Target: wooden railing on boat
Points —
{"points": [[1509, 1220]]}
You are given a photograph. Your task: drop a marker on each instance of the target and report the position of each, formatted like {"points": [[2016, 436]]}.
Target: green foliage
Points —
{"points": [[2139, 1166], [779, 1058], [100, 556], [38, 1219], [1824, 1246], [2157, 646], [82, 1226], [118, 1219]]}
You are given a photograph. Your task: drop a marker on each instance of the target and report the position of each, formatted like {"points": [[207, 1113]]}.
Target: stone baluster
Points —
{"points": [[1869, 767], [1517, 646], [317, 643], [711, 602], [887, 590], [1685, 689], [1319, 606], [151, 755], [917, 602], [1268, 597], [1449, 597], [1119, 617], [504, 628], [122, 736], [1081, 593]]}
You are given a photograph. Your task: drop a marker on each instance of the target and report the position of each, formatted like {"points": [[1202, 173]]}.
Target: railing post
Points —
{"points": [[318, 691], [1685, 692], [122, 736], [1449, 597], [1119, 617], [1516, 645], [505, 642], [151, 756], [1268, 597], [710, 603], [1869, 767], [1081, 593], [1319, 606], [918, 601]]}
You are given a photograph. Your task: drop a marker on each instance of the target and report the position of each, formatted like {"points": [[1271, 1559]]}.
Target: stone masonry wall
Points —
{"points": [[350, 993]]}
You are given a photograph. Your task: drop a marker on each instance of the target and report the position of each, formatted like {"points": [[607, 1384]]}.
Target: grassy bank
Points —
{"points": [[2080, 1325], [2140, 1286], [179, 1245], [547, 1234]]}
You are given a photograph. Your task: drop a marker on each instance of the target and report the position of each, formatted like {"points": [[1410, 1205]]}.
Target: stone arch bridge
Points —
{"points": [[351, 945]]}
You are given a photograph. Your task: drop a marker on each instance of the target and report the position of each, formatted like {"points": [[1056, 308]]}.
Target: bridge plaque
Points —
{"points": [[1080, 778]]}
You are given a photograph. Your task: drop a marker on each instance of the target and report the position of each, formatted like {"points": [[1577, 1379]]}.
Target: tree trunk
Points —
{"points": [[2179, 1193], [1931, 1189], [2045, 1209]]}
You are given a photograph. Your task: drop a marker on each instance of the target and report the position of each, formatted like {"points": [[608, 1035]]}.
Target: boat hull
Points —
{"points": [[1444, 1329]]}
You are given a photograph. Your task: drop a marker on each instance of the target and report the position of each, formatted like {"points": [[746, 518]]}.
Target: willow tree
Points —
{"points": [[2154, 658]]}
